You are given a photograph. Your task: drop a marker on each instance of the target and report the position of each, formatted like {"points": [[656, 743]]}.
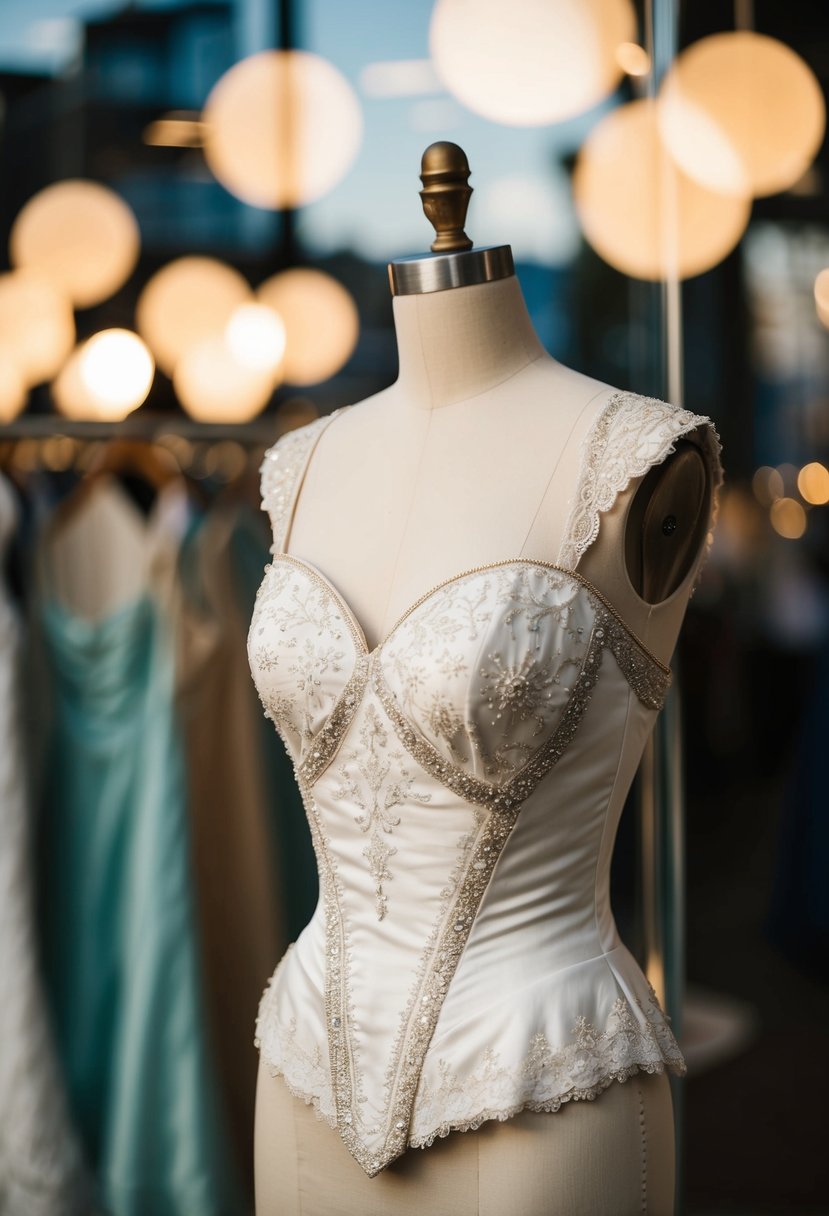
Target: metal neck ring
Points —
{"points": [[442, 271]]}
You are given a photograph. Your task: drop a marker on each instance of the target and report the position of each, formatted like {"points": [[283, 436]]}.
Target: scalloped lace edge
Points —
{"points": [[551, 1105], [603, 495]]}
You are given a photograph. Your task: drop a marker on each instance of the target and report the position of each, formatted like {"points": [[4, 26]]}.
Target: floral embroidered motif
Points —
{"points": [[376, 796], [481, 686], [630, 435], [549, 1074]]}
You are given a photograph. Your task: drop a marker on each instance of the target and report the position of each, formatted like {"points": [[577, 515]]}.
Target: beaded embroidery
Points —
{"points": [[535, 689]]}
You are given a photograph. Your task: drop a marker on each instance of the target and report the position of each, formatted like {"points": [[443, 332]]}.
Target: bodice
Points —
{"points": [[463, 782]]}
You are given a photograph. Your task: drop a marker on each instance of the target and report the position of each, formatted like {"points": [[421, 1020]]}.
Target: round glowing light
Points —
{"points": [[742, 113], [70, 393], [321, 323], [788, 518], [186, 301], [213, 386], [822, 296], [767, 485], [640, 212], [81, 236], [36, 323], [282, 128], [12, 387], [633, 59], [536, 62], [256, 336], [813, 483], [117, 369]]}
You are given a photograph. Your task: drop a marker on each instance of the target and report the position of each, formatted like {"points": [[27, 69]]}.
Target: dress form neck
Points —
{"points": [[457, 344]]}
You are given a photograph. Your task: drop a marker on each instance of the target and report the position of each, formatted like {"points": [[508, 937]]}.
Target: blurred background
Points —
{"points": [[198, 201]]}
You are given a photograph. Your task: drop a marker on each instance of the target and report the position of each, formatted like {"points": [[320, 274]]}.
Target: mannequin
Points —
{"points": [[470, 458]]}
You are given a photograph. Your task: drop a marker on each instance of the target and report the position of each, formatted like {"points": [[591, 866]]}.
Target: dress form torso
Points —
{"points": [[470, 457], [487, 478]]}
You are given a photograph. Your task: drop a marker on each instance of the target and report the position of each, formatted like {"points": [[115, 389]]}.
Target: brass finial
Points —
{"points": [[444, 171]]}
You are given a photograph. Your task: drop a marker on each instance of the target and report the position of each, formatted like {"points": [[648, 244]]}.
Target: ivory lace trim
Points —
{"points": [[544, 1081], [631, 435]]}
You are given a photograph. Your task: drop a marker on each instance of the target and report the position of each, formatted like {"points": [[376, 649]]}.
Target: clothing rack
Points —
{"points": [[149, 427]]}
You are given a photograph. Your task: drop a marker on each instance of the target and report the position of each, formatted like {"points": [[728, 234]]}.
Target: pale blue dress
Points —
{"points": [[119, 931]]}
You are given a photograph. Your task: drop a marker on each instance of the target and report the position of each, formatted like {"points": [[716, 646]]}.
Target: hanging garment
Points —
{"points": [[120, 940], [41, 1169], [237, 878], [292, 847], [463, 781]]}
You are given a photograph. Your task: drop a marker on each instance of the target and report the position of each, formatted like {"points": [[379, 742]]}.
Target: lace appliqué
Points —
{"points": [[549, 1075], [279, 473], [304, 1071], [377, 797], [630, 436]]}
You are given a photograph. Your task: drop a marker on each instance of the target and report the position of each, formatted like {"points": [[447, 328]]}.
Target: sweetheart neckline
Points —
{"points": [[370, 652]]}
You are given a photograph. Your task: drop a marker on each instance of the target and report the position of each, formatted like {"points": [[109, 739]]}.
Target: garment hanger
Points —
{"points": [[132, 462]]}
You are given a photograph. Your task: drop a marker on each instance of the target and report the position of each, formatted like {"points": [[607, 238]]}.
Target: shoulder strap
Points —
{"points": [[282, 471], [630, 435]]}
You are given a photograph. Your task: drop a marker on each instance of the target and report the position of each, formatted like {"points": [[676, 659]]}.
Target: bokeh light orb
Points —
{"points": [[256, 336], [813, 483], [117, 369], [530, 62], [321, 323], [81, 236], [12, 386], [37, 325], [70, 393], [639, 211], [822, 296], [186, 301], [742, 113], [788, 518], [282, 128], [767, 485], [213, 386]]}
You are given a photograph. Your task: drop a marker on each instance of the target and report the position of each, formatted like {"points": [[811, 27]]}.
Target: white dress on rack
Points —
{"points": [[41, 1170], [463, 781]]}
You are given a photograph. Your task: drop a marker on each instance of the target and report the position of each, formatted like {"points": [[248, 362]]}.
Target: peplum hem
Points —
{"points": [[516, 1070]]}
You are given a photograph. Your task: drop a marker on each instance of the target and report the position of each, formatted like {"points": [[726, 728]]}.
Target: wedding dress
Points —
{"points": [[463, 782]]}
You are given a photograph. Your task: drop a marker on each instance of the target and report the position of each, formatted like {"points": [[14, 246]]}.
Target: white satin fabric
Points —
{"points": [[463, 783]]}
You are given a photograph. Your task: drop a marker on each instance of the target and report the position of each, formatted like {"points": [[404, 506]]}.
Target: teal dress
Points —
{"points": [[119, 934]]}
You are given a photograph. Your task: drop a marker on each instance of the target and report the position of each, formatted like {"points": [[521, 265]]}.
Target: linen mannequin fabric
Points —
{"points": [[463, 782]]}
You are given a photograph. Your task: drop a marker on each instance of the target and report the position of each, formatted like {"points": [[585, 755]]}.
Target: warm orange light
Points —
{"points": [[117, 369], [813, 483], [788, 518], [213, 386], [742, 113], [256, 336], [282, 128], [767, 485], [81, 236], [36, 323], [186, 301], [633, 59], [321, 323], [639, 211], [12, 387], [70, 394], [178, 129], [533, 61]]}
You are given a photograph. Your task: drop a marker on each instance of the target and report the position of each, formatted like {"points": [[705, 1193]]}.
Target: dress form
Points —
{"points": [[411, 485], [471, 459]]}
